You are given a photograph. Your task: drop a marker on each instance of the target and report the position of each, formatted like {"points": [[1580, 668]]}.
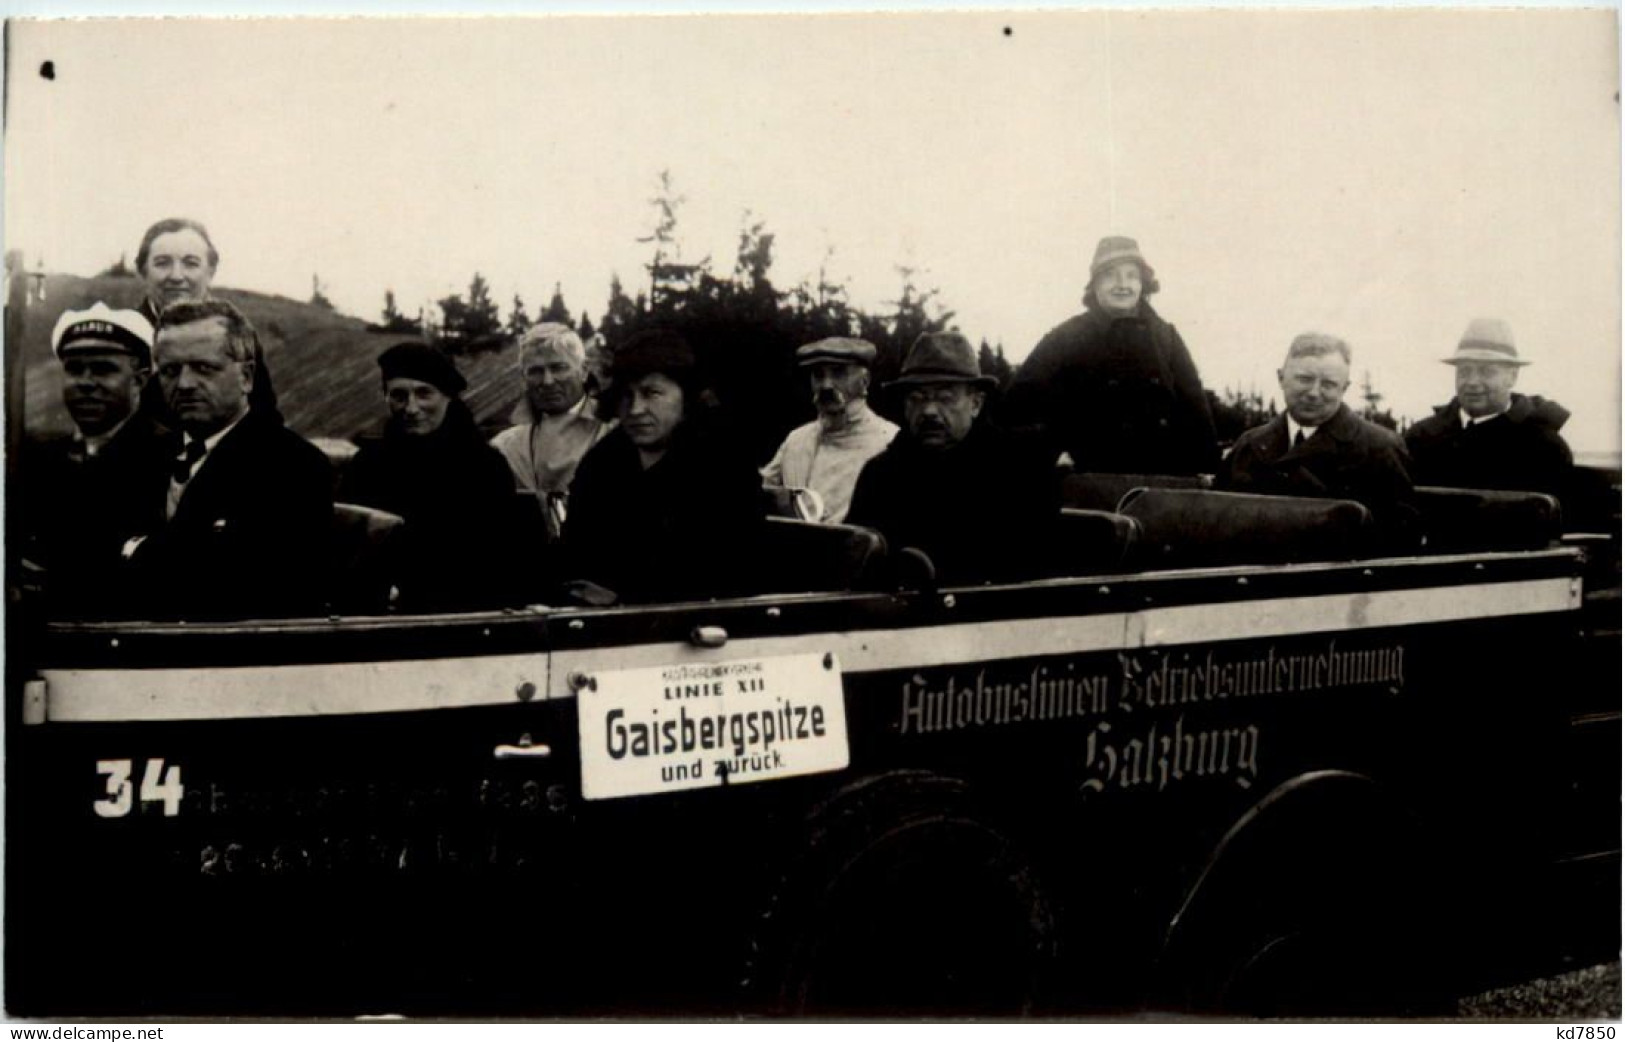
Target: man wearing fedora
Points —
{"points": [[1320, 448], [812, 474], [1487, 436], [86, 490], [981, 505]]}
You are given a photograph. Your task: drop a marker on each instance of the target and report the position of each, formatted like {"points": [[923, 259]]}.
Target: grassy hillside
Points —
{"points": [[323, 364]]}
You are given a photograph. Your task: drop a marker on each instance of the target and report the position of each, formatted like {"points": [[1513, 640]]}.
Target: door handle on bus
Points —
{"points": [[523, 750]]}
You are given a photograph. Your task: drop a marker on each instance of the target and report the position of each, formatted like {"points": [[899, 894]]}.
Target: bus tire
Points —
{"points": [[1328, 907], [903, 898]]}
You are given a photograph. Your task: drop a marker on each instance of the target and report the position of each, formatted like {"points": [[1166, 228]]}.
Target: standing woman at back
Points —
{"points": [[1115, 387], [177, 262]]}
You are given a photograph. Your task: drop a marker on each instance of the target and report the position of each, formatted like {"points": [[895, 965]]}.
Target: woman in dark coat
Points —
{"points": [[664, 507], [1115, 388], [458, 549]]}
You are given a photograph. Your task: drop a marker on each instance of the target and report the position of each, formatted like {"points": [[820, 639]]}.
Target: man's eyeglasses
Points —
{"points": [[947, 394]]}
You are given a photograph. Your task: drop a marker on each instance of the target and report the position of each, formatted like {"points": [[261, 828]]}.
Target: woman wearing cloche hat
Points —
{"points": [[1115, 387]]}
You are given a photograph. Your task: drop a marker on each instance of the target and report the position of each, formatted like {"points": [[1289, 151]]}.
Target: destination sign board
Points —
{"points": [[706, 724]]}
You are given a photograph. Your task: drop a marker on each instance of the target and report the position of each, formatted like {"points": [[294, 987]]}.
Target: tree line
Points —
{"points": [[746, 327]]}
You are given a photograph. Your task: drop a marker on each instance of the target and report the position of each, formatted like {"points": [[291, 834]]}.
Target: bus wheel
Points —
{"points": [[1334, 915], [904, 900]]}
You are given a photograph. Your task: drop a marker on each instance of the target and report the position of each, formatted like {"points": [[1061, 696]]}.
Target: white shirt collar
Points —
{"points": [[211, 441], [1468, 421], [1293, 427]]}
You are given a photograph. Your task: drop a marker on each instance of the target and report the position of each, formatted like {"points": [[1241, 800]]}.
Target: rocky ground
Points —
{"points": [[1581, 995]]}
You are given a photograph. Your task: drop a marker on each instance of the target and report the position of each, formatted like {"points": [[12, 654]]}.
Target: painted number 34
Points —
{"points": [[159, 784]]}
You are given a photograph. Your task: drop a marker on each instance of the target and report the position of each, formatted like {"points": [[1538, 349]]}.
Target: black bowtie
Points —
{"points": [[188, 459]]}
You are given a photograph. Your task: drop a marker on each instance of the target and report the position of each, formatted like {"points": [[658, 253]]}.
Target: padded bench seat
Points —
{"points": [[1195, 528], [1460, 520], [810, 556], [1092, 490]]}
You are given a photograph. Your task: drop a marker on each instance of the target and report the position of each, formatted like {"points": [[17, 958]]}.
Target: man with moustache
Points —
{"points": [[555, 423], [241, 519], [1320, 448], [981, 506], [824, 457], [86, 491]]}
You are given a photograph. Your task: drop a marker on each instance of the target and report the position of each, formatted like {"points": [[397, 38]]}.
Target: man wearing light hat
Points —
{"points": [[86, 491], [983, 507], [812, 474], [1487, 436]]}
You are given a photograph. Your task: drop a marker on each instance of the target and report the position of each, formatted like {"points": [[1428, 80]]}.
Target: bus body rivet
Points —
{"points": [[526, 691], [774, 613], [577, 624], [113, 643], [1242, 581], [948, 601], [579, 681], [1104, 590]]}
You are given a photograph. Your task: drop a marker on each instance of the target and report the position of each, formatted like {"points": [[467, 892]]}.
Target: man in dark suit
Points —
{"points": [[239, 526], [1488, 436], [983, 506], [1320, 448], [84, 491]]}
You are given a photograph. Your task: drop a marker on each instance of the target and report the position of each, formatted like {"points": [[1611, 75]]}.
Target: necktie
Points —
{"points": [[188, 459], [1297, 440]]}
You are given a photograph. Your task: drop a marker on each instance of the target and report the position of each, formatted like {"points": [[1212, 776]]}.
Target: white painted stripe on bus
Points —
{"points": [[1291, 616], [956, 644], [325, 689], [391, 686]]}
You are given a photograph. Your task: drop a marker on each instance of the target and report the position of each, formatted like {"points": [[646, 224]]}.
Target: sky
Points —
{"points": [[1382, 175]]}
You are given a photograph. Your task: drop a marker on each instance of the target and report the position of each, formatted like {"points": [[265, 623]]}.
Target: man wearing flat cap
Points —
{"points": [[1320, 448], [458, 549], [240, 524], [983, 507], [1487, 436], [85, 491], [815, 468]]}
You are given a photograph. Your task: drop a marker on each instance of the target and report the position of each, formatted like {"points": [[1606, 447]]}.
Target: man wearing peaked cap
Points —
{"points": [[106, 357], [86, 491], [1487, 436], [981, 506], [812, 474]]}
